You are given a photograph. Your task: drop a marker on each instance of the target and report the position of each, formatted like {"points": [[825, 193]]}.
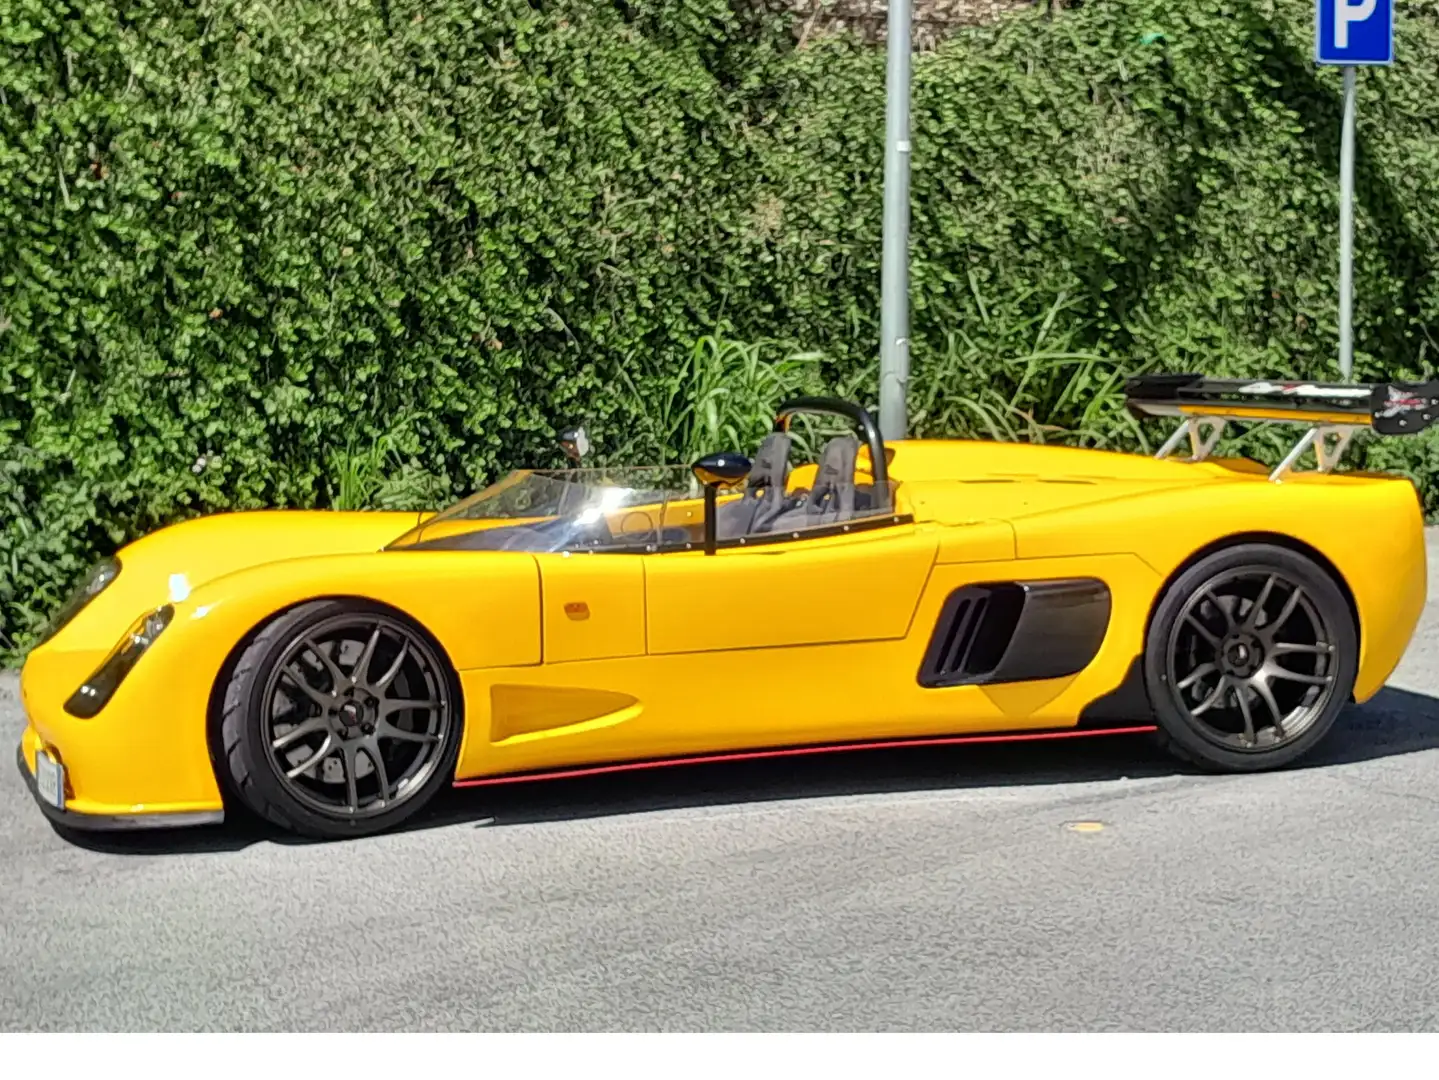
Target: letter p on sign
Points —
{"points": [[1350, 11], [1354, 32]]}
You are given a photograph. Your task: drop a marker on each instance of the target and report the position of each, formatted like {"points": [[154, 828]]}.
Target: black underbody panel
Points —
{"points": [[1126, 703]]}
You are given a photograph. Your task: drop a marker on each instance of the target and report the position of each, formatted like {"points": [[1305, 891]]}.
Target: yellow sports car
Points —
{"points": [[332, 671]]}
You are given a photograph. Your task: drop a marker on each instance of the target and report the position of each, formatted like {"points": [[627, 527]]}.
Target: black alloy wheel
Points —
{"points": [[341, 719], [1251, 655]]}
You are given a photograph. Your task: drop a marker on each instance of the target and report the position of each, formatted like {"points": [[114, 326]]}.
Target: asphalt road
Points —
{"points": [[900, 890]]}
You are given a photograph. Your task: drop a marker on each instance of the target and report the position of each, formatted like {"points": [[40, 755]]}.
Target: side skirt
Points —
{"points": [[801, 751]]}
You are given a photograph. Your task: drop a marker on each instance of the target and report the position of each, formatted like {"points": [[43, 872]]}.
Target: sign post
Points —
{"points": [[894, 269], [1350, 34]]}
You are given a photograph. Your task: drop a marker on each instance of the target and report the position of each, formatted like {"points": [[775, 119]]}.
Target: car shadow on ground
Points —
{"points": [[1394, 722]]}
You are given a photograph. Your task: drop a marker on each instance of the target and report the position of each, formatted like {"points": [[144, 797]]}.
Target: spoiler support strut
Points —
{"points": [[1319, 436], [1200, 445], [1326, 453]]}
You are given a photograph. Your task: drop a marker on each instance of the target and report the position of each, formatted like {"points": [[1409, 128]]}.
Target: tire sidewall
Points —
{"points": [[266, 782], [1333, 606]]}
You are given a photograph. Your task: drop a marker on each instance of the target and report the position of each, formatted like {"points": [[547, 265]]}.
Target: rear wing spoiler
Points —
{"points": [[1331, 412]]}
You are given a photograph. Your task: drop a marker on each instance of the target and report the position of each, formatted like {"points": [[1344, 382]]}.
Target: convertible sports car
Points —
{"points": [[332, 671]]}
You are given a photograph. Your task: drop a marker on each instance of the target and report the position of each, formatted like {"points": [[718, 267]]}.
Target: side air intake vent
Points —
{"points": [[973, 632], [959, 639], [1016, 631]]}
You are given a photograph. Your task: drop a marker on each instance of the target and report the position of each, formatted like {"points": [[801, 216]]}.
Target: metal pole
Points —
{"points": [[894, 280], [1346, 228]]}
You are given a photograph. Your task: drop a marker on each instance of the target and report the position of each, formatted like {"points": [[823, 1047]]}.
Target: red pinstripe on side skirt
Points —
{"points": [[797, 751]]}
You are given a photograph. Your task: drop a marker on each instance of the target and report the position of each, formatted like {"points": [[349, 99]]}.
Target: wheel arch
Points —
{"points": [[1274, 539], [1130, 697], [215, 704]]}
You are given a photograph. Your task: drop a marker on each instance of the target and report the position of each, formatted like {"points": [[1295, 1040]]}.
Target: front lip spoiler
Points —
{"points": [[113, 822]]}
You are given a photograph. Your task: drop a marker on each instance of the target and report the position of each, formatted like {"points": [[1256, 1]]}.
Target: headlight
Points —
{"points": [[87, 701], [95, 582]]}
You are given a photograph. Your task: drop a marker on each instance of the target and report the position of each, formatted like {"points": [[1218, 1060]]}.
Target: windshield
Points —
{"points": [[639, 508], [655, 508]]}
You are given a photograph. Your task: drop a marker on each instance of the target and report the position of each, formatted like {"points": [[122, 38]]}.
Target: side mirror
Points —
{"points": [[717, 471], [575, 443]]}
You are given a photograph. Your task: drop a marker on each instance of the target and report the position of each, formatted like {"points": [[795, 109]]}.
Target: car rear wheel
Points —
{"points": [[341, 718], [1251, 655]]}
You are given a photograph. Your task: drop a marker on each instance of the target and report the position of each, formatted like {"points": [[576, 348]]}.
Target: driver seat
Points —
{"points": [[831, 499], [764, 491]]}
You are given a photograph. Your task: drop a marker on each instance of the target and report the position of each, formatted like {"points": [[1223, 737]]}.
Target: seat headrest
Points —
{"points": [[836, 464], [770, 467]]}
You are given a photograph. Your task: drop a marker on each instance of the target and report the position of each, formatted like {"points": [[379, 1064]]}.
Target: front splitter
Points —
{"points": [[72, 819]]}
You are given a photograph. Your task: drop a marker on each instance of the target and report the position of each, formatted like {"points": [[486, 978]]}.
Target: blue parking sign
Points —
{"points": [[1354, 32]]}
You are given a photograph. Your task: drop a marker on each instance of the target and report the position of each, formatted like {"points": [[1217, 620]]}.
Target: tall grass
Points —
{"points": [[1023, 379], [1006, 378], [1002, 377], [722, 397], [378, 477]]}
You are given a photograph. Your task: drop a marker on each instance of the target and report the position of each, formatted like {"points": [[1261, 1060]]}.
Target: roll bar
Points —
{"points": [[848, 410]]}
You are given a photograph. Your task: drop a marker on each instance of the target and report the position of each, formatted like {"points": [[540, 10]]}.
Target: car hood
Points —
{"points": [[169, 564], [210, 547]]}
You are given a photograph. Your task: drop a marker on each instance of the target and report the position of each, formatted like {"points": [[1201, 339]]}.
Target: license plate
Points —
{"points": [[50, 779]]}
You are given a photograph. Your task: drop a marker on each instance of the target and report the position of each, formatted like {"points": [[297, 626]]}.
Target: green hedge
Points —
{"points": [[252, 251]]}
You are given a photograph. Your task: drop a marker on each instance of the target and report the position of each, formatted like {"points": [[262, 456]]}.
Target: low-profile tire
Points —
{"points": [[341, 718], [1251, 655]]}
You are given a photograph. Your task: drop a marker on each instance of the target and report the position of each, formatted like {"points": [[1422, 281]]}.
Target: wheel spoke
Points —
{"points": [[360, 674], [1195, 675], [299, 731], [1288, 608], [387, 730], [341, 680], [388, 708], [1277, 672], [383, 683], [319, 755], [1193, 620], [1214, 697], [1252, 619], [296, 676], [1282, 648], [1242, 693], [352, 786], [377, 759], [1260, 685]]}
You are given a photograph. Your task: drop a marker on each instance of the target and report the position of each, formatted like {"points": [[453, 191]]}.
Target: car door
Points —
{"points": [[808, 589], [592, 607]]}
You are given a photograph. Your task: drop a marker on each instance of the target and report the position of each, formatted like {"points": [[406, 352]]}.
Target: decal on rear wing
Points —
{"points": [[1331, 411]]}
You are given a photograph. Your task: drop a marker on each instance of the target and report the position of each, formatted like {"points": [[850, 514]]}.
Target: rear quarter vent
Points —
{"points": [[1016, 632]]}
